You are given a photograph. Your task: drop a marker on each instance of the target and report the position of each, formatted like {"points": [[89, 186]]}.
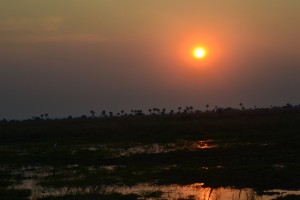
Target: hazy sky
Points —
{"points": [[70, 56]]}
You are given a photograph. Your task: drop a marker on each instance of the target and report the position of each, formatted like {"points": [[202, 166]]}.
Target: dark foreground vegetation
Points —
{"points": [[95, 157]]}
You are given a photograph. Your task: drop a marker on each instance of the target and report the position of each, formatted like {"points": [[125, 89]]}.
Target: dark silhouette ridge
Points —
{"points": [[188, 111]]}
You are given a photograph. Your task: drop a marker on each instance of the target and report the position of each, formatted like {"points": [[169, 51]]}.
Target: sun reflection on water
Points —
{"points": [[203, 144]]}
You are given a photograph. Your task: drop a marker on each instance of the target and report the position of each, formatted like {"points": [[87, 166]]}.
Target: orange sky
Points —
{"points": [[67, 57]]}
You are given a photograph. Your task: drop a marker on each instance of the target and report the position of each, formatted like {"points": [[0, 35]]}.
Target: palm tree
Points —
{"points": [[179, 109], [93, 113], [207, 106], [187, 109], [216, 108], [241, 105]]}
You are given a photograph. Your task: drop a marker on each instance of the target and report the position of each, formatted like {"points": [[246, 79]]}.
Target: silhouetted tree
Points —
{"points": [[156, 110], [207, 106], [83, 117], [288, 105], [179, 109], [103, 113], [242, 106], [93, 113], [187, 109]]}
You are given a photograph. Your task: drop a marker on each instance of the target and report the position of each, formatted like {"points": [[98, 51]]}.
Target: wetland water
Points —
{"points": [[207, 157], [195, 191], [74, 179]]}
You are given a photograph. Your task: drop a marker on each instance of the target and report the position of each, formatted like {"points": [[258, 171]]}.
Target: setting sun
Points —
{"points": [[199, 53]]}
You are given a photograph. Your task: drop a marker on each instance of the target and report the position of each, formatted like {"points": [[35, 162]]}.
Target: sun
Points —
{"points": [[199, 52]]}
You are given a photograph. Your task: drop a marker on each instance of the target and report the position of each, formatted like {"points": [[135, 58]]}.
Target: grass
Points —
{"points": [[113, 196]]}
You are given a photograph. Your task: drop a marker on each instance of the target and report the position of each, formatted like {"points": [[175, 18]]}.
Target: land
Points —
{"points": [[93, 157]]}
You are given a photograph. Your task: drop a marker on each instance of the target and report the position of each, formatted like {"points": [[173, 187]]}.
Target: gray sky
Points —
{"points": [[67, 57]]}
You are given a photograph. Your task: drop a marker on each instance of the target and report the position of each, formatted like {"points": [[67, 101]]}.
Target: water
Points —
{"points": [[32, 176], [196, 191]]}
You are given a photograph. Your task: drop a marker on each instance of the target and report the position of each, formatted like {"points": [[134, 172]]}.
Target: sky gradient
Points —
{"points": [[66, 57]]}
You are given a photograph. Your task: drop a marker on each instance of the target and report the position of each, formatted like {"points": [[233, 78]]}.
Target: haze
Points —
{"points": [[69, 57]]}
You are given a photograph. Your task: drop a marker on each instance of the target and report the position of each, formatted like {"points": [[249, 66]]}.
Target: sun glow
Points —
{"points": [[199, 53]]}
